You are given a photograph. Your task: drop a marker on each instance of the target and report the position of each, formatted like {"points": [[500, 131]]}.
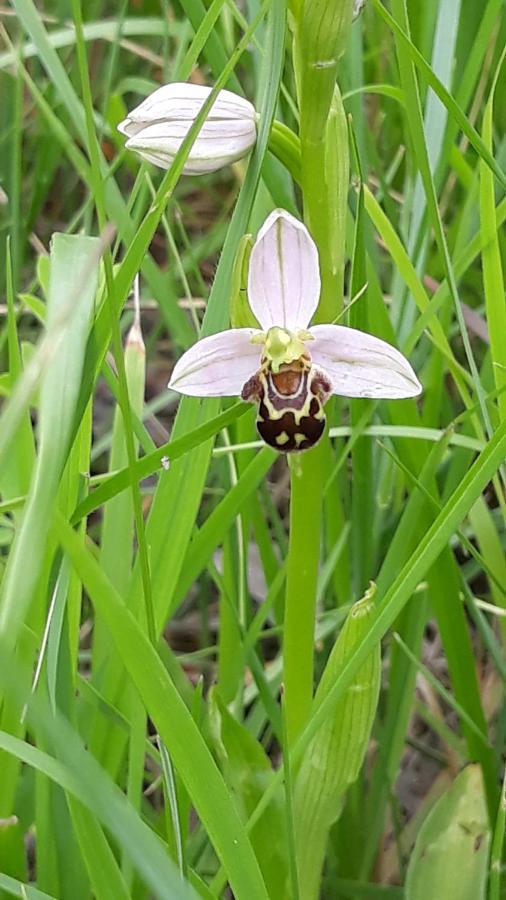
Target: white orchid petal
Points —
{"points": [[284, 274], [128, 127], [361, 365], [218, 365], [217, 144], [180, 101]]}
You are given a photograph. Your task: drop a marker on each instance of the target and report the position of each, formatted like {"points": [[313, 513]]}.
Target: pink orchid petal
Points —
{"points": [[284, 274], [361, 365], [217, 366]]}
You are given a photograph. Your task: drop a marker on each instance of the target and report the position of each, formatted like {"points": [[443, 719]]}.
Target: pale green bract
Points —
{"points": [[450, 857]]}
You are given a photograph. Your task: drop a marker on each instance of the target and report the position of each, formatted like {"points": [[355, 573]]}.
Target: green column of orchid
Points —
{"points": [[320, 32]]}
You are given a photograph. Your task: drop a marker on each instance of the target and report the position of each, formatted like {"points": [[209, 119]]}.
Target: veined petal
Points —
{"points": [[284, 274], [361, 365], [182, 101], [218, 143], [218, 365]]}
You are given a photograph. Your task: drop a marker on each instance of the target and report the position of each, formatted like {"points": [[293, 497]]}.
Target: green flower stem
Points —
{"points": [[324, 181], [285, 145], [306, 474]]}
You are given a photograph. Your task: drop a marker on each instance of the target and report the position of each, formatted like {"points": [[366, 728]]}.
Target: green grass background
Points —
{"points": [[121, 773]]}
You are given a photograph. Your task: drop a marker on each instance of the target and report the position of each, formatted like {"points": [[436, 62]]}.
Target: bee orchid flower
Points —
{"points": [[289, 368], [157, 127]]}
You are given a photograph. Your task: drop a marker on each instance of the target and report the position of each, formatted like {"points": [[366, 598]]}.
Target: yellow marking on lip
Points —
{"points": [[282, 439]]}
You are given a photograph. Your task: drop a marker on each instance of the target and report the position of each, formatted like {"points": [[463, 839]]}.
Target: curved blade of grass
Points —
{"points": [[16, 888], [79, 773], [214, 51], [219, 521], [149, 26], [153, 462], [74, 275], [493, 281], [182, 487], [443, 94], [173, 721], [203, 34]]}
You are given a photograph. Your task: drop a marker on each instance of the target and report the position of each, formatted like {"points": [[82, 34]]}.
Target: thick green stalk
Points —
{"points": [[321, 34], [303, 557], [325, 175], [325, 180]]}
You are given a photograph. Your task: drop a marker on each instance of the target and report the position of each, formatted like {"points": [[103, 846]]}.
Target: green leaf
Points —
{"points": [[16, 888], [450, 857], [443, 94], [334, 757], [78, 773], [493, 280], [104, 873], [248, 771], [73, 283], [164, 455], [173, 721]]}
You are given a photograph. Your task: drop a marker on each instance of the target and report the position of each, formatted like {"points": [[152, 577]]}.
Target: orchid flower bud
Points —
{"points": [[157, 127]]}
